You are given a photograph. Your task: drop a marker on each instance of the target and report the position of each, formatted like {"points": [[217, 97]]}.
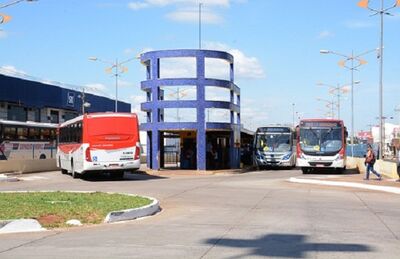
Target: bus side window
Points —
{"points": [[45, 134], [22, 133], [34, 134], [53, 134], [79, 132], [9, 132]]}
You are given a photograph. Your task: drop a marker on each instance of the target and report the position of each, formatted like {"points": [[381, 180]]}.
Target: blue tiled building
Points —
{"points": [[223, 137], [22, 100]]}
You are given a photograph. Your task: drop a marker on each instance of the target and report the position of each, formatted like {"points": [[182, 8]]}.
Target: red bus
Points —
{"points": [[98, 142], [321, 143]]}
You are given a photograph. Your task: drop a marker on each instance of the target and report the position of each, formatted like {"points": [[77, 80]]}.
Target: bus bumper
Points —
{"points": [[327, 162], [126, 165]]}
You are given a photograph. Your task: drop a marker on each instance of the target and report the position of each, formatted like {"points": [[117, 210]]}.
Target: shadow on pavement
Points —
{"points": [[330, 171], [285, 245], [105, 176]]}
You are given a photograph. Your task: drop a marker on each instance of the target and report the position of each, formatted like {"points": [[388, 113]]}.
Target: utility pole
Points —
{"points": [[200, 4]]}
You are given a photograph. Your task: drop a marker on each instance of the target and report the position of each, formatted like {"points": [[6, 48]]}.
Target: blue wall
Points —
{"points": [[38, 95]]}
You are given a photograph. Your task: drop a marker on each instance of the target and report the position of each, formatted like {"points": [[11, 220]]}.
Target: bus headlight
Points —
{"points": [[287, 156], [339, 157]]}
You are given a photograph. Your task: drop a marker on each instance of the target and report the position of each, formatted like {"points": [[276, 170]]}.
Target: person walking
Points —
{"points": [[398, 164], [369, 163]]}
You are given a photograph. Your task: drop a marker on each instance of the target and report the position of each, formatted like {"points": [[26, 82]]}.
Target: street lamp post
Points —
{"points": [[293, 104], [330, 105], [15, 2], [339, 90], [6, 18], [382, 11], [352, 67], [118, 70]]}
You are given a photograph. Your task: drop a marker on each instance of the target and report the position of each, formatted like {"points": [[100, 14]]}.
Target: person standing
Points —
{"points": [[369, 163]]}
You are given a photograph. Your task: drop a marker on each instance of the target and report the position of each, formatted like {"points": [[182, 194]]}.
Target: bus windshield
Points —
{"points": [[273, 142], [321, 140]]}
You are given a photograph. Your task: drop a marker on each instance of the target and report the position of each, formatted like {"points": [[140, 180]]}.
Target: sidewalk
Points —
{"points": [[174, 171], [351, 181]]}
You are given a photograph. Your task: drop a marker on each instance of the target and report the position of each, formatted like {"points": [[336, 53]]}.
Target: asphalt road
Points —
{"points": [[252, 215]]}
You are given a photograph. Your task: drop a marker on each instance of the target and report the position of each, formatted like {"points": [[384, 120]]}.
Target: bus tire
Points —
{"points": [[340, 170], [42, 156], [74, 174], [117, 174], [305, 170], [63, 171]]}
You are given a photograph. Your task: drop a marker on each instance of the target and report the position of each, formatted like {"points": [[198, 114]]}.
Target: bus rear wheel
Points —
{"points": [[117, 174]]}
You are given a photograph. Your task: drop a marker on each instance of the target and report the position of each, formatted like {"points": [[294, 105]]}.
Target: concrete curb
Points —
{"points": [[20, 225], [389, 189], [130, 214], [7, 178], [31, 225]]}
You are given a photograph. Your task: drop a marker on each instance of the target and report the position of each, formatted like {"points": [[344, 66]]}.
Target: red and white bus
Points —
{"points": [[321, 143], [27, 140], [98, 142]]}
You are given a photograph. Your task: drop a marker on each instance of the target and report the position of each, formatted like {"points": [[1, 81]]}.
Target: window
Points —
{"points": [[22, 133], [17, 113], [34, 134], [54, 118], [69, 115], [45, 134], [9, 132], [71, 133]]}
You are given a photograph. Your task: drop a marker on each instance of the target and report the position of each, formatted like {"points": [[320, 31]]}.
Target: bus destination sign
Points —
{"points": [[321, 124]]}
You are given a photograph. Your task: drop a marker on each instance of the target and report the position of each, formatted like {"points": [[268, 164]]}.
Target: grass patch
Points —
{"points": [[53, 209]]}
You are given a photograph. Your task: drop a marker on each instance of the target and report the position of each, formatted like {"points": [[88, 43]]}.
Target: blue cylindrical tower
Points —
{"points": [[155, 105]]}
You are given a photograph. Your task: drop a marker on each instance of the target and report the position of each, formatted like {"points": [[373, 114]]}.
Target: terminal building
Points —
{"points": [[26, 100]]}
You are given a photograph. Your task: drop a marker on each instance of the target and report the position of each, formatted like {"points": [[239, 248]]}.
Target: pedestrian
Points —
{"points": [[369, 163], [398, 164]]}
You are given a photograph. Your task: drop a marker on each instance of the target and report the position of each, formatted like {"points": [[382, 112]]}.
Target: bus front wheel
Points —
{"points": [[63, 171], [305, 170], [73, 173]]}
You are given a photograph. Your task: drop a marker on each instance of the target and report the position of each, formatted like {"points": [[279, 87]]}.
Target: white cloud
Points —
{"points": [[3, 34], [187, 10], [136, 100], [136, 5], [245, 67], [97, 89], [358, 24], [11, 71], [193, 16], [325, 34]]}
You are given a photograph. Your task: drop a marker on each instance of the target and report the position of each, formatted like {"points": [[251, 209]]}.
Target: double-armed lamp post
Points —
{"points": [[330, 105], [351, 62], [117, 68], [382, 11], [4, 18]]}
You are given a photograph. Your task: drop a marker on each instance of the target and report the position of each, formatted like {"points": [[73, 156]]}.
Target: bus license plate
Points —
{"points": [[319, 165]]}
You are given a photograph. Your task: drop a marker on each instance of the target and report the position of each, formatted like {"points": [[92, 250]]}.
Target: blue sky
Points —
{"points": [[275, 43]]}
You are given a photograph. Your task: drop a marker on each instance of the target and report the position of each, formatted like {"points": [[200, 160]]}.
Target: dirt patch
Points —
{"points": [[93, 218], [51, 219]]}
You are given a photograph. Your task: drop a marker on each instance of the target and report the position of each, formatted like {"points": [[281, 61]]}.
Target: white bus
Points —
{"points": [[27, 140], [274, 146], [321, 143], [99, 142]]}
